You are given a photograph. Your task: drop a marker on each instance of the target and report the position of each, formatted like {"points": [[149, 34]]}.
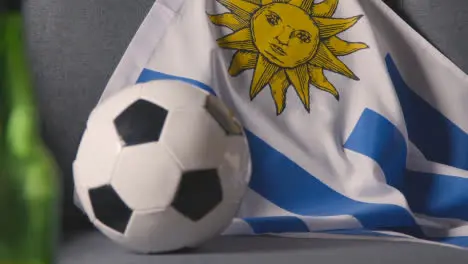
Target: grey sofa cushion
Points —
{"points": [[444, 23], [75, 46], [92, 247]]}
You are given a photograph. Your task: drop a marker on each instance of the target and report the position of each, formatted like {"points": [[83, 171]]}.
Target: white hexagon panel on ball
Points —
{"points": [[146, 176]]}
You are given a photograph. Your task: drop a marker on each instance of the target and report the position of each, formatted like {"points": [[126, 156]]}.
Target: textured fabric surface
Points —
{"points": [[92, 247]]}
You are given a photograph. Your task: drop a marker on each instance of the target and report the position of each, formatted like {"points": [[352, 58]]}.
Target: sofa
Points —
{"points": [[74, 47]]}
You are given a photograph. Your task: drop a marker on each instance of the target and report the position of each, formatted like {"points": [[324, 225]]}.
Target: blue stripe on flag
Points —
{"points": [[150, 75], [456, 241], [287, 185], [281, 181], [430, 194], [437, 195], [376, 137], [438, 138], [277, 224]]}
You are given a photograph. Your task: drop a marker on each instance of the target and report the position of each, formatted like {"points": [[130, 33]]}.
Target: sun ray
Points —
{"points": [[266, 2], [332, 26], [264, 71], [243, 8], [340, 47], [305, 5], [242, 60], [299, 77], [241, 40], [325, 9], [318, 79], [279, 85], [325, 59], [229, 20], [255, 2]]}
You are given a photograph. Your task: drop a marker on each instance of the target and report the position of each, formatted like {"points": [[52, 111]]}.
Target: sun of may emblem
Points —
{"points": [[287, 43]]}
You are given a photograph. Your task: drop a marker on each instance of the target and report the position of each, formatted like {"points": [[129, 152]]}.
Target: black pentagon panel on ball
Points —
{"points": [[222, 115], [199, 192], [109, 208], [142, 122]]}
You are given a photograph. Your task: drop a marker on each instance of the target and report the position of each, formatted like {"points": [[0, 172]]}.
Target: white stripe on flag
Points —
{"points": [[257, 206]]}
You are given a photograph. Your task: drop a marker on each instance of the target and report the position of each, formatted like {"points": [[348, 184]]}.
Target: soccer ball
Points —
{"points": [[161, 166]]}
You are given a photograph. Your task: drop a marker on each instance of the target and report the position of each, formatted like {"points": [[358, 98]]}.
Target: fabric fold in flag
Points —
{"points": [[440, 139]]}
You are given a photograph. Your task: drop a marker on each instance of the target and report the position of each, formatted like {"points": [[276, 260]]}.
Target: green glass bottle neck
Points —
{"points": [[17, 73], [18, 94]]}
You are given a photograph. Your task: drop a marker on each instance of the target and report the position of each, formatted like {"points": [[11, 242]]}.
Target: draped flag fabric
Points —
{"points": [[357, 126]]}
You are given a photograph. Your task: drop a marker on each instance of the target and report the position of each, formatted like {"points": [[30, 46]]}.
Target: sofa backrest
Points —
{"points": [[75, 46], [443, 23]]}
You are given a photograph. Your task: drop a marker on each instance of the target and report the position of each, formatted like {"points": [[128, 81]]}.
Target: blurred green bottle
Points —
{"points": [[29, 187]]}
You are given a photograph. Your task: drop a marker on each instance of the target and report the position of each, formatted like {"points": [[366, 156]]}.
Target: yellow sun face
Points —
{"points": [[287, 43], [286, 35]]}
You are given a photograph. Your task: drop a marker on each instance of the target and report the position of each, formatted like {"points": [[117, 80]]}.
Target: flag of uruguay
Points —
{"points": [[357, 125]]}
